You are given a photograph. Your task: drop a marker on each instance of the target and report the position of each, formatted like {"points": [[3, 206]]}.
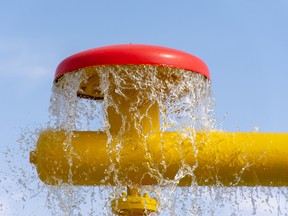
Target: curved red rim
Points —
{"points": [[132, 54]]}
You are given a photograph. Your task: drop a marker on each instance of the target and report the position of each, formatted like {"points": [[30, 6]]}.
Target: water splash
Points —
{"points": [[184, 101], [186, 105]]}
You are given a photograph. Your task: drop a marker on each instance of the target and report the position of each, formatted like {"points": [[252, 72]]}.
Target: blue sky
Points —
{"points": [[244, 43]]}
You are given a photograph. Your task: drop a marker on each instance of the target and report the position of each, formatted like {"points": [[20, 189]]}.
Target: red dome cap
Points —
{"points": [[132, 54]]}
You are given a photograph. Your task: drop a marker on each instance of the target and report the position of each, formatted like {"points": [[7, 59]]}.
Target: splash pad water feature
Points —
{"points": [[157, 130]]}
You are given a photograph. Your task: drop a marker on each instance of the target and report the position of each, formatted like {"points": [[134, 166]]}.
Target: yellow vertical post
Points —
{"points": [[133, 203]]}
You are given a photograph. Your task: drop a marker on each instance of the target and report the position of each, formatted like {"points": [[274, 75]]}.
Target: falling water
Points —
{"points": [[186, 105]]}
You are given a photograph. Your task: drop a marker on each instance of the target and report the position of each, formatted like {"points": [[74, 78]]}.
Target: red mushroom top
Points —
{"points": [[132, 54]]}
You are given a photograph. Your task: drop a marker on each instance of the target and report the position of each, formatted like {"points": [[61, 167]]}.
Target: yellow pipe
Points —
{"points": [[223, 158], [139, 154]]}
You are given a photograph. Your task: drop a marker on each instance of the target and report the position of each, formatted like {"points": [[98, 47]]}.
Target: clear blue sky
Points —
{"points": [[244, 43]]}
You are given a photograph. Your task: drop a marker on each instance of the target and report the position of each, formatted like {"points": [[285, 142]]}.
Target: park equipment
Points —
{"points": [[134, 142]]}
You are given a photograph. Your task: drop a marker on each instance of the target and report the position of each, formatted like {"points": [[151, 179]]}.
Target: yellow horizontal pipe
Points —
{"points": [[216, 158]]}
